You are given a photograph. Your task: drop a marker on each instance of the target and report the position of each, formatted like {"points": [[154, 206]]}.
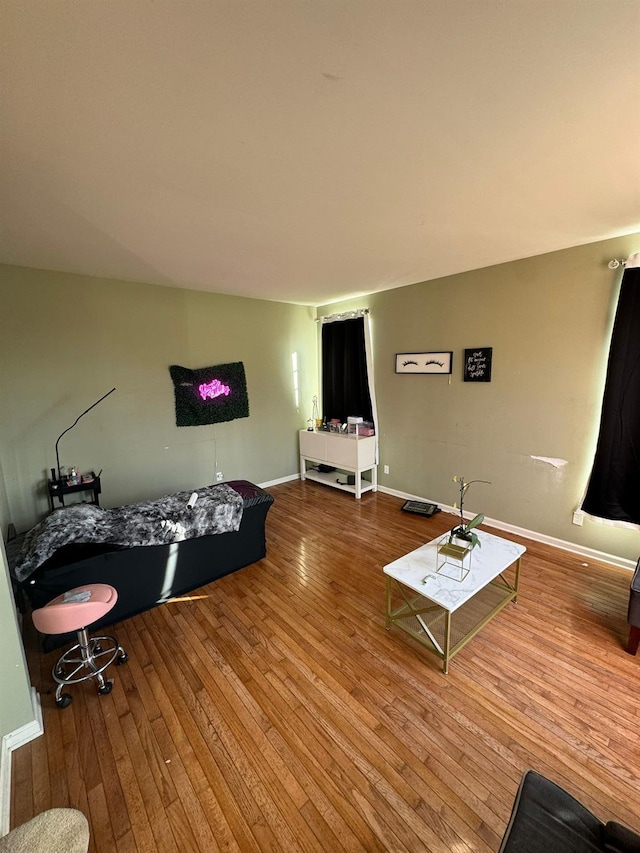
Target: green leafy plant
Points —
{"points": [[465, 530]]}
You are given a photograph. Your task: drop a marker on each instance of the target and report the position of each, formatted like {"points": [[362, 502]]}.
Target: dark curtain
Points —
{"points": [[345, 386], [614, 486]]}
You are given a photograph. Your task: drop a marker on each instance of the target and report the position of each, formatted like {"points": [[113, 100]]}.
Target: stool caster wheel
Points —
{"points": [[123, 658], [106, 688], [64, 701]]}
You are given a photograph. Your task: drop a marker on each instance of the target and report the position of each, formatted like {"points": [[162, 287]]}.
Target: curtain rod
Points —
{"points": [[345, 315]]}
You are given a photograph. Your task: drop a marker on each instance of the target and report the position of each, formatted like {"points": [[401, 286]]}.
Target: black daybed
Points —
{"points": [[147, 575]]}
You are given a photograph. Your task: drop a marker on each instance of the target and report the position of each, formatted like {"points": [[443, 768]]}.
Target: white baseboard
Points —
{"points": [[571, 547], [277, 482], [9, 742]]}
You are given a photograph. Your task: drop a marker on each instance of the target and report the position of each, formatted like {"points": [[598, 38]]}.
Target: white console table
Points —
{"points": [[348, 454]]}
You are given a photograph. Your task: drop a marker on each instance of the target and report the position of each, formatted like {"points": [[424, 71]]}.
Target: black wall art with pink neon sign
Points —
{"points": [[210, 395]]}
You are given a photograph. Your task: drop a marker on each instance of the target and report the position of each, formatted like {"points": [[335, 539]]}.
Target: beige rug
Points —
{"points": [[53, 831]]}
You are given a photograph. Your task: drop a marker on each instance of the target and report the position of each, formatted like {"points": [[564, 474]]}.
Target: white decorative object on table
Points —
{"points": [[454, 558]]}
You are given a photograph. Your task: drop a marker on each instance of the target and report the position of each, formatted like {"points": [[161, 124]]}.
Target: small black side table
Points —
{"points": [[58, 489]]}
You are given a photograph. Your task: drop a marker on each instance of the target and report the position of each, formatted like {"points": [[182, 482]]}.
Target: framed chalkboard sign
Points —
{"points": [[477, 364]]}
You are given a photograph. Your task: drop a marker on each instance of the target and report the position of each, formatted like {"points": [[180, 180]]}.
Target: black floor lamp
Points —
{"points": [[71, 427]]}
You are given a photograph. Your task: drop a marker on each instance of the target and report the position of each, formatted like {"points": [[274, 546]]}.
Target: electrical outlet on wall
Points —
{"points": [[219, 476], [386, 469]]}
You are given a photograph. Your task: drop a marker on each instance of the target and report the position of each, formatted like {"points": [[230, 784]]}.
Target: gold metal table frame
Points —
{"points": [[445, 632]]}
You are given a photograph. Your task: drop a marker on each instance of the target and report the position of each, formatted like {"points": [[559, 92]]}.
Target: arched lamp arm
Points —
{"points": [[74, 423]]}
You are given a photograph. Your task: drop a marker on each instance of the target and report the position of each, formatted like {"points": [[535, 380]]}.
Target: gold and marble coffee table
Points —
{"points": [[444, 613]]}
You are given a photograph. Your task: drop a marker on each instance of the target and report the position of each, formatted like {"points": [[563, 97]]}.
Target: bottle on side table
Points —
{"points": [[58, 488]]}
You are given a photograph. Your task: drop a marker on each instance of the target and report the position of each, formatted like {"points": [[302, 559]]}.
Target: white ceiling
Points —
{"points": [[310, 150]]}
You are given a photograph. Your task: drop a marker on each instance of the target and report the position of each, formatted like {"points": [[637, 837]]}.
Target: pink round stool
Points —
{"points": [[74, 611]]}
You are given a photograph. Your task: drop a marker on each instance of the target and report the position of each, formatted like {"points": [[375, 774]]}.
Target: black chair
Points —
{"points": [[633, 613], [547, 819]]}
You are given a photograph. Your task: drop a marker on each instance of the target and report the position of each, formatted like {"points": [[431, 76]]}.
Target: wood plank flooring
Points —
{"points": [[272, 711]]}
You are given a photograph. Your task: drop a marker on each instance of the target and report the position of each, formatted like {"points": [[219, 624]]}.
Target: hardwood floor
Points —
{"points": [[271, 710]]}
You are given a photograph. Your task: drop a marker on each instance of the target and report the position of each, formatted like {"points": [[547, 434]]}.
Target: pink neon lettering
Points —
{"points": [[212, 389]]}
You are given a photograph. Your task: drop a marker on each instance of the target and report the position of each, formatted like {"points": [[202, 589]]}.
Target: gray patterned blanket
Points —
{"points": [[218, 509]]}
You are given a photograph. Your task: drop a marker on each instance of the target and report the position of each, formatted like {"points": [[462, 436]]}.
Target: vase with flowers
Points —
{"points": [[465, 531]]}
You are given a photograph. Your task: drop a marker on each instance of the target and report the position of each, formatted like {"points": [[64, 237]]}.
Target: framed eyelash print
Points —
{"points": [[424, 362]]}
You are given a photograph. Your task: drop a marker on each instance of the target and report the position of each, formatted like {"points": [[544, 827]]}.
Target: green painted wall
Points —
{"points": [[548, 319], [67, 339], [16, 708]]}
